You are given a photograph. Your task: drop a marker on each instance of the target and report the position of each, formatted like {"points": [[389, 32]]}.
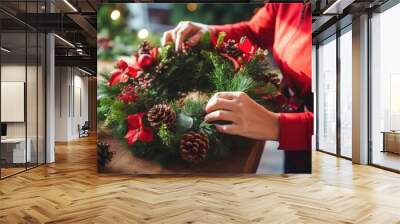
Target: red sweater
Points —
{"points": [[285, 30]]}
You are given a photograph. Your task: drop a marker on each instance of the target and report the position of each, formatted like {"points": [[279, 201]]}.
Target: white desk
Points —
{"points": [[18, 150]]}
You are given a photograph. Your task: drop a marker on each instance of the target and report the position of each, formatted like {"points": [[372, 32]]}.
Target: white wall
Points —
{"points": [[71, 102], [13, 73], [16, 73], [61, 103]]}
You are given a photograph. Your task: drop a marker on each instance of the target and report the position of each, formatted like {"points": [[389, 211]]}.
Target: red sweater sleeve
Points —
{"points": [[295, 131], [260, 29]]}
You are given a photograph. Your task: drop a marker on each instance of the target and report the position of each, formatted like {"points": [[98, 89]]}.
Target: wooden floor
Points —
{"points": [[387, 159], [71, 191]]}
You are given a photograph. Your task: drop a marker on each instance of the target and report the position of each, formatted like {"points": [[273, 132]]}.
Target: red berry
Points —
{"points": [[145, 61]]}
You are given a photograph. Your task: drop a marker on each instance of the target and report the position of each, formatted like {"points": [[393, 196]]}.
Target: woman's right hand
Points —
{"points": [[185, 31]]}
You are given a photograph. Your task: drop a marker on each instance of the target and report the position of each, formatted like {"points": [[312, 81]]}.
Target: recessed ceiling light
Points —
{"points": [[5, 50], [70, 5], [337, 7], [84, 71], [64, 40]]}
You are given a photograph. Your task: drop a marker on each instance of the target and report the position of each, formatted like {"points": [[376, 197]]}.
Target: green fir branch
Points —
{"points": [[193, 108]]}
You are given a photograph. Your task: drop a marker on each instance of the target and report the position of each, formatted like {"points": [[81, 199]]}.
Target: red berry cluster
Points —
{"points": [[128, 94]]}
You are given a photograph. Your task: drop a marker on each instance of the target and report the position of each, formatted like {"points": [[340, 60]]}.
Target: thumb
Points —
{"points": [[194, 40]]}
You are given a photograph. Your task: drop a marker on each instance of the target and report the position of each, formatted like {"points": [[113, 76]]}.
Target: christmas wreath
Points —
{"points": [[155, 104]]}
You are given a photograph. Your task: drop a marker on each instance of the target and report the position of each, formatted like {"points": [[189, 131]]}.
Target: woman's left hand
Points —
{"points": [[248, 118]]}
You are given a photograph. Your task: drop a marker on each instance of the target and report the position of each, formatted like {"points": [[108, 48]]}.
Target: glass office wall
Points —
{"points": [[345, 93], [385, 89], [22, 90], [13, 86], [327, 95]]}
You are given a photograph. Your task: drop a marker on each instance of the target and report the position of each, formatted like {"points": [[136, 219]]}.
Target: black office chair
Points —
{"points": [[84, 130]]}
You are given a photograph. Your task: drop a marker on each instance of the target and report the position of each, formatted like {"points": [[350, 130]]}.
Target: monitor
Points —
{"points": [[3, 129]]}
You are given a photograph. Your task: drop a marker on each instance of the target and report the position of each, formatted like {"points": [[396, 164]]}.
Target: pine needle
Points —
{"points": [[193, 108]]}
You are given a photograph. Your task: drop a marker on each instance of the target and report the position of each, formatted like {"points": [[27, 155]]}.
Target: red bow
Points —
{"points": [[122, 73], [137, 130], [248, 48]]}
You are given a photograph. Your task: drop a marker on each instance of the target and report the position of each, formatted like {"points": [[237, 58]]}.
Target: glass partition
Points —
{"points": [[14, 145], [327, 95], [22, 77], [346, 92], [385, 89]]}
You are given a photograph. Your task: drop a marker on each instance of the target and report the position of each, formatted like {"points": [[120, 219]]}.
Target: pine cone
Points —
{"points": [[194, 147], [161, 113], [144, 48], [231, 48], [104, 155]]}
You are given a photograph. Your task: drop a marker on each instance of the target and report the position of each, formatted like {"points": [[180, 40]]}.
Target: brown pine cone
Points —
{"points": [[144, 48], [194, 147], [231, 48], [161, 114]]}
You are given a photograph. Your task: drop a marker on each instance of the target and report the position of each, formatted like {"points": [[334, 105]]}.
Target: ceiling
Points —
{"points": [[331, 15], [74, 21]]}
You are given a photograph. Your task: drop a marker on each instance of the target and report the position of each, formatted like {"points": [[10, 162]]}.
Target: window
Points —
{"points": [[346, 92], [385, 89], [327, 96]]}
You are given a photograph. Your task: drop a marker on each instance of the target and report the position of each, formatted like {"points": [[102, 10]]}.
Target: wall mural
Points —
{"points": [[177, 96]]}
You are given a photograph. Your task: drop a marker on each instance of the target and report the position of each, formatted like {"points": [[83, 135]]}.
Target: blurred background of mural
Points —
{"points": [[121, 27]]}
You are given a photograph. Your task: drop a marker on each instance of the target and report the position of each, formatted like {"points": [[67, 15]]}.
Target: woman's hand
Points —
{"points": [[248, 118], [190, 31]]}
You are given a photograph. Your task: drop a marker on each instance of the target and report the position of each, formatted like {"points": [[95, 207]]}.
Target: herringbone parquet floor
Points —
{"points": [[71, 191]]}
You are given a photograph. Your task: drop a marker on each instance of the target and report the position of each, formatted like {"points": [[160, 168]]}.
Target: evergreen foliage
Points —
{"points": [[174, 77]]}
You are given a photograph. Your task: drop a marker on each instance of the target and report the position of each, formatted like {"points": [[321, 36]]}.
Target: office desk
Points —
{"points": [[13, 150]]}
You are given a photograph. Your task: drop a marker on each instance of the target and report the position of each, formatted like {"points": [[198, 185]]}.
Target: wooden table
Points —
{"points": [[391, 141], [239, 161]]}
